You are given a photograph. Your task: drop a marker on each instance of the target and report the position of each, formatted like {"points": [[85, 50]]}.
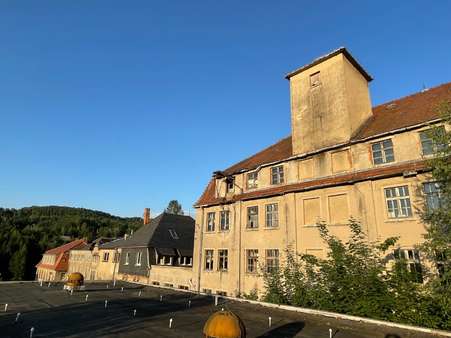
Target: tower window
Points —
{"points": [[315, 80]]}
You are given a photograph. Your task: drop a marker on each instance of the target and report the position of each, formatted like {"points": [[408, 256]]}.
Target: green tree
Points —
{"points": [[437, 217], [174, 207]]}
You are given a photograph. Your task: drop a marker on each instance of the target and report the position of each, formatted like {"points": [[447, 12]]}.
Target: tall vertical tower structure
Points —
{"points": [[330, 101]]}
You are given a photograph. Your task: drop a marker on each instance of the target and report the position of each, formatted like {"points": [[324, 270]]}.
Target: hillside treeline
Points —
{"points": [[26, 233]]}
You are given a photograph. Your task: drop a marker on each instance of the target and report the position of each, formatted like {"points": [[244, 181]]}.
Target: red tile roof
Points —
{"points": [[62, 255], [412, 110], [208, 197]]}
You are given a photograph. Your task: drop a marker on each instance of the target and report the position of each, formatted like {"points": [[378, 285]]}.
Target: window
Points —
{"points": [[209, 260], [173, 234], [427, 143], [272, 260], [252, 217], [440, 260], [383, 152], [398, 202], [252, 180], [106, 256], [185, 260], [277, 176], [412, 259], [252, 260], [229, 184], [127, 258], [223, 260], [211, 221], [225, 221], [272, 215], [138, 259], [314, 79], [433, 195]]}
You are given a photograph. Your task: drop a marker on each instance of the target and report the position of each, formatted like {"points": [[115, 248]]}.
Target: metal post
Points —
{"points": [[31, 332], [330, 333], [134, 313], [6, 307], [189, 304], [170, 323], [161, 298], [216, 300], [269, 321], [86, 298], [17, 316], [106, 303]]}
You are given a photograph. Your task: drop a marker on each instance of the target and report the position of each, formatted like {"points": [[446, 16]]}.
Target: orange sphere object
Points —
{"points": [[224, 324], [75, 279]]}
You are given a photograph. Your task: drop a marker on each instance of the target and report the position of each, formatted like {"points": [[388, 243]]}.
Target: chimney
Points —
{"points": [[146, 216]]}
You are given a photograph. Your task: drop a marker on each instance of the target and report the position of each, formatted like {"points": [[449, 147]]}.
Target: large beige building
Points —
{"points": [[343, 159]]}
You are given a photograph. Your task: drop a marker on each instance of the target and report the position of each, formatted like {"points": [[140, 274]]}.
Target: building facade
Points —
{"points": [[55, 262], [159, 253], [343, 159]]}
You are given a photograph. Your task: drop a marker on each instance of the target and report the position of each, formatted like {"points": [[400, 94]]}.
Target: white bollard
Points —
{"points": [[17, 316], [189, 304], [134, 313], [71, 292], [170, 323], [106, 303], [31, 332], [216, 300], [122, 289], [86, 298], [114, 283], [161, 298], [6, 307], [40, 283], [139, 294], [330, 333], [269, 321], [48, 285], [107, 286]]}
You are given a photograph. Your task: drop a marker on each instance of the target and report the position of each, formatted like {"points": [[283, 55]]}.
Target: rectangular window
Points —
{"points": [[314, 79], [138, 259], [440, 260], [252, 260], [383, 152], [252, 217], [223, 260], [272, 215], [106, 256], [225, 221], [252, 180], [277, 176], [272, 260], [229, 184], [427, 143], [209, 260], [398, 202], [433, 195], [411, 258], [127, 258], [211, 221]]}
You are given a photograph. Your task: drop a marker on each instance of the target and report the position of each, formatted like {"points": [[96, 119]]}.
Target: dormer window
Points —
{"points": [[173, 234], [277, 175], [315, 80], [383, 152], [229, 184]]}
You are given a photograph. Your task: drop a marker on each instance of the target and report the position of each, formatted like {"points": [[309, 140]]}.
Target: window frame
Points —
{"points": [[223, 260], [105, 257], [277, 174], [383, 151], [272, 261], [435, 197], [224, 220], [138, 258], [251, 261], [254, 180], [255, 215], [127, 258], [269, 222], [209, 260], [211, 227], [395, 204], [412, 258]]}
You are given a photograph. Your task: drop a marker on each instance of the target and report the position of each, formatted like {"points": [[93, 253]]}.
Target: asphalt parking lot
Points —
{"points": [[53, 312]]}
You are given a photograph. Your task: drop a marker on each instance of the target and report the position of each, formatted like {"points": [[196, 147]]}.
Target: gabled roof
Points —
{"points": [[410, 111], [66, 247], [156, 234]]}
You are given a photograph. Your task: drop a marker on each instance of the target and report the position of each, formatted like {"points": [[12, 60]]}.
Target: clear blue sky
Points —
{"points": [[118, 106]]}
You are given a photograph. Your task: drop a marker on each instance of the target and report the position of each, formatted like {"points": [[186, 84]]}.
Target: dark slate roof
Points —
{"points": [[114, 244], [156, 234]]}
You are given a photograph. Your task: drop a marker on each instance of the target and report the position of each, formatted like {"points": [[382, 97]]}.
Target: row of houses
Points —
{"points": [[344, 158], [160, 253]]}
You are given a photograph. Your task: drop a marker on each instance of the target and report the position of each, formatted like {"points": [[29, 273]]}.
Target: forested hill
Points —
{"points": [[26, 233]]}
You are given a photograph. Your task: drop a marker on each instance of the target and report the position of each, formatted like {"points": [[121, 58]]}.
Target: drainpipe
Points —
{"points": [[201, 234]]}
